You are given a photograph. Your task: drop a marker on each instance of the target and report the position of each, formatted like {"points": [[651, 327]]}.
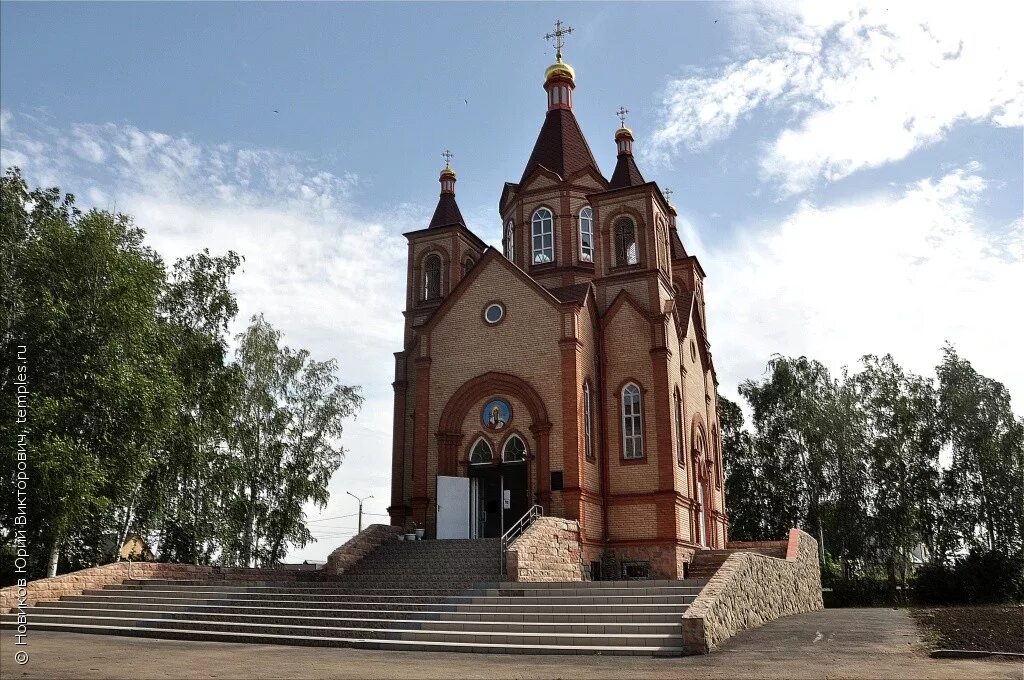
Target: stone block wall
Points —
{"points": [[51, 589], [750, 589], [358, 547], [549, 550]]}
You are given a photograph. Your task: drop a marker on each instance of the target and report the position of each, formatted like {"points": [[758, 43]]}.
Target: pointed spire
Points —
{"points": [[447, 212], [626, 173]]}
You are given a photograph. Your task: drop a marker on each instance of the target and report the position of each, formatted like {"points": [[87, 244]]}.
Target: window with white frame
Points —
{"points": [[481, 452], [632, 423], [543, 233], [588, 428], [510, 241], [514, 450], [587, 235]]}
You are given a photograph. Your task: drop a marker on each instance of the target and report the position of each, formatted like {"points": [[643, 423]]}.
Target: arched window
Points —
{"points": [[467, 264], [700, 447], [510, 241], [625, 242], [588, 427], [680, 431], [587, 235], [716, 449], [543, 232], [632, 423], [481, 452], [432, 277], [514, 450]]}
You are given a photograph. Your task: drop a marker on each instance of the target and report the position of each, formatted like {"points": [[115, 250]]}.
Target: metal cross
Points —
{"points": [[621, 113], [447, 156], [668, 194], [559, 37]]}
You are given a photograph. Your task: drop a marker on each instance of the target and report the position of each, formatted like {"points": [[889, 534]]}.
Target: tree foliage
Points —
{"points": [[886, 467], [139, 420]]}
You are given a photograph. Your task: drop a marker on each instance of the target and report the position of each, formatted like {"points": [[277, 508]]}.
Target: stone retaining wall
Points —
{"points": [[549, 550], [47, 589], [358, 547], [750, 589]]}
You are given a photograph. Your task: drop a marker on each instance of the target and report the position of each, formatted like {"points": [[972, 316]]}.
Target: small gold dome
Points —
{"points": [[560, 68], [624, 132], [447, 172]]}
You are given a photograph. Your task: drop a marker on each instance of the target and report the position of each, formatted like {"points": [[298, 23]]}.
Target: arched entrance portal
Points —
{"points": [[507, 466]]}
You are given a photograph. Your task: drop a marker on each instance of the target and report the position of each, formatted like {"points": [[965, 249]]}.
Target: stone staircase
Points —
{"points": [[422, 596]]}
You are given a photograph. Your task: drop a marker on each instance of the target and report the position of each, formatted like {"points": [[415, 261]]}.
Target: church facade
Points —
{"points": [[571, 369]]}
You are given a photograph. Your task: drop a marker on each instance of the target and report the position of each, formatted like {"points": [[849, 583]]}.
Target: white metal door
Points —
{"points": [[452, 507]]}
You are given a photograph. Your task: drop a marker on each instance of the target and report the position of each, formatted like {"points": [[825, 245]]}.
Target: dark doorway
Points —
{"points": [[489, 481]]}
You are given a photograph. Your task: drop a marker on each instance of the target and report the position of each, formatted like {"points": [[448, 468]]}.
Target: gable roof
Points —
{"points": [[676, 243], [561, 146], [446, 213]]}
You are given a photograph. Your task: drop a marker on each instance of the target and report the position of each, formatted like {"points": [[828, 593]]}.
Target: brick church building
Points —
{"points": [[571, 369]]}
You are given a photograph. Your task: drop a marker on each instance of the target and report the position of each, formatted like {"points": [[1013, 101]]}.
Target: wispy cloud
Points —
{"points": [[901, 272], [855, 86], [331, 279]]}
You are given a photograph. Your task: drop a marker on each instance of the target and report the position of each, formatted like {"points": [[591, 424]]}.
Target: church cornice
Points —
{"points": [[447, 229]]}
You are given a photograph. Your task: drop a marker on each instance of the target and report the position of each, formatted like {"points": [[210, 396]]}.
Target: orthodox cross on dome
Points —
{"points": [[667, 193], [447, 156], [621, 113], [559, 37]]}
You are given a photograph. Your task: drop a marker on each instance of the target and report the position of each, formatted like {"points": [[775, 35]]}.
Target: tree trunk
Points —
{"points": [[51, 563]]}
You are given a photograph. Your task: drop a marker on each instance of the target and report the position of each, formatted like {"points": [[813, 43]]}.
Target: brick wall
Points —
{"points": [[750, 589], [359, 546], [50, 589], [549, 550]]}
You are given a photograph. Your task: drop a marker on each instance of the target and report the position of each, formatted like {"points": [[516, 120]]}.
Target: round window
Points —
{"points": [[494, 313]]}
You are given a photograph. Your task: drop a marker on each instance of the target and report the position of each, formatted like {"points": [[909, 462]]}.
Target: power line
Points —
{"points": [[325, 519]]}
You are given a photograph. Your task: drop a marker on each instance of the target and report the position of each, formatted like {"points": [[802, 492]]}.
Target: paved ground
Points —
{"points": [[837, 643]]}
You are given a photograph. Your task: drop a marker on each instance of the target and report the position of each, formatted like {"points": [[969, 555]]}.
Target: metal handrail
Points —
{"points": [[516, 529]]}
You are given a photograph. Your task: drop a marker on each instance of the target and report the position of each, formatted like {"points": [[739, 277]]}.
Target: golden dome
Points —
{"points": [[624, 132], [560, 68], [447, 172]]}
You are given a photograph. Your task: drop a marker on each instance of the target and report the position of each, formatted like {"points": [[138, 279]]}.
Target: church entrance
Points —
{"points": [[498, 497]]}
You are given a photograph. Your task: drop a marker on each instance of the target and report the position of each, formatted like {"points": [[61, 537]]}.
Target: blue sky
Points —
{"points": [[850, 176]]}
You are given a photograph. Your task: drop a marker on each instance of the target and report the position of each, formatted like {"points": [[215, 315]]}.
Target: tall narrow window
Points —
{"points": [[632, 423], [716, 456], [680, 431], [543, 232], [587, 235], [588, 427], [514, 450], [510, 241], [467, 264], [432, 277], [481, 452], [625, 242]]}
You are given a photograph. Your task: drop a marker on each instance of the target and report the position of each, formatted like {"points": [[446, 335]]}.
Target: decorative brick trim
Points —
{"points": [[359, 546], [549, 550], [751, 589]]}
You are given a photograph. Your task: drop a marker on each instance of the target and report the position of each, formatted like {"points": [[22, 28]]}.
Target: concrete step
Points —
{"points": [[364, 632], [410, 620], [477, 646], [505, 590], [427, 612]]}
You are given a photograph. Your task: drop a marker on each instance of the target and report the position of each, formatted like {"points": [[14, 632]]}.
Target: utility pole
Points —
{"points": [[365, 498]]}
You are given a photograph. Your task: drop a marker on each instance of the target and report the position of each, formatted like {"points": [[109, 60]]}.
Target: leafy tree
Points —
{"points": [[287, 418], [985, 494], [900, 412], [186, 487], [745, 477], [87, 290]]}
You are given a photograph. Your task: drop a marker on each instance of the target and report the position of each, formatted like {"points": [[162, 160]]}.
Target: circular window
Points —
{"points": [[494, 313]]}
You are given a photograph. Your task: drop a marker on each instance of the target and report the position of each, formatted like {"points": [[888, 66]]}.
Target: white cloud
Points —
{"points": [[901, 272], [858, 86], [334, 283]]}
